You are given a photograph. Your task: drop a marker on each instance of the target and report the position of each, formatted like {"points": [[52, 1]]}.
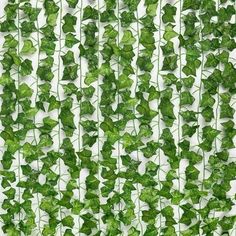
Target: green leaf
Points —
{"points": [[168, 48], [108, 16], [86, 108], [186, 98], [167, 111], [89, 140], [69, 22], [170, 63], [90, 13], [24, 91], [207, 100], [145, 63], [70, 40], [211, 61], [188, 116], [47, 46], [68, 221], [67, 119], [26, 67], [226, 111], [10, 41], [191, 4], [72, 3], [169, 13], [128, 38], [70, 72], [28, 47], [124, 82], [68, 58], [169, 33]]}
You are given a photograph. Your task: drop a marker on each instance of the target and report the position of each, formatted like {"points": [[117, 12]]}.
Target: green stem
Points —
{"points": [[58, 96], [36, 97], [159, 116], [136, 84], [98, 120], [80, 87], [18, 105], [179, 117], [118, 99], [198, 117]]}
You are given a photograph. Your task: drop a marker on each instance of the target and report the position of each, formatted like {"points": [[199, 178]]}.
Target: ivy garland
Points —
{"points": [[117, 117]]}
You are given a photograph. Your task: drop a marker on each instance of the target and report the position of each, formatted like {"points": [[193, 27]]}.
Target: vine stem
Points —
{"points": [[179, 118], [159, 118], [58, 96], [136, 78], [217, 99], [118, 99], [218, 95], [80, 86], [37, 81], [18, 106], [198, 116], [98, 120]]}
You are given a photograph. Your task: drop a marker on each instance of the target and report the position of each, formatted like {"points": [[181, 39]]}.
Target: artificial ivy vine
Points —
{"points": [[118, 117]]}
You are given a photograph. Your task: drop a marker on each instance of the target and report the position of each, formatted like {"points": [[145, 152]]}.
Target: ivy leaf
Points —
{"points": [[169, 33], [108, 16], [132, 5], [168, 48], [27, 27], [26, 67], [227, 222], [133, 232], [226, 111], [47, 46], [189, 130], [169, 13], [10, 41], [89, 140], [127, 17], [188, 116], [88, 92], [69, 22], [147, 39], [124, 82], [70, 89], [68, 58], [150, 149], [207, 100], [89, 125], [24, 91], [145, 63], [208, 113], [28, 47], [128, 38], [72, 3], [86, 108], [68, 221], [149, 215], [170, 63], [70, 40], [211, 61], [30, 11], [67, 119], [186, 98], [191, 4], [90, 13], [70, 72], [167, 111], [188, 82]]}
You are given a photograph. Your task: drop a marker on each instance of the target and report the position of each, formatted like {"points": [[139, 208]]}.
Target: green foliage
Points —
{"points": [[117, 117]]}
